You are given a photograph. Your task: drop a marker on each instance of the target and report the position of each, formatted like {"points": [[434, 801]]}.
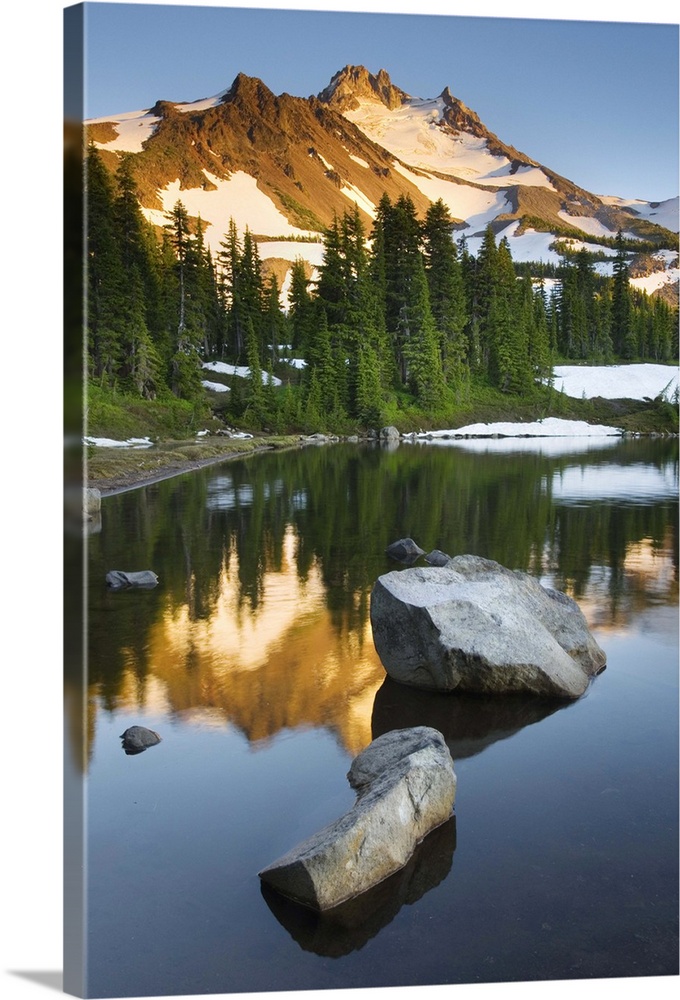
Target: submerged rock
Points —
{"points": [[118, 579], [406, 787], [475, 626], [136, 739]]}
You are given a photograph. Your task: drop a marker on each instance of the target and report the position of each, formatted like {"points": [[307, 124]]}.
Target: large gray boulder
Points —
{"points": [[406, 787], [475, 626]]}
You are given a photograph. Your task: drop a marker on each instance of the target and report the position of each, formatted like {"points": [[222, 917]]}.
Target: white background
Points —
{"points": [[30, 512]]}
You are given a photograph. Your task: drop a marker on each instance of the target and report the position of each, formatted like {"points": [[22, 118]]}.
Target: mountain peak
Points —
{"points": [[354, 82], [246, 87], [459, 116]]}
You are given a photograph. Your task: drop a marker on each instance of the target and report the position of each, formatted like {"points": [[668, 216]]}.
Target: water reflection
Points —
{"points": [[260, 619], [468, 723], [611, 483], [348, 927]]}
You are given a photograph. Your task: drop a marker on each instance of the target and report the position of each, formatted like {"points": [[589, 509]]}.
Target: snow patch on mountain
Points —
{"points": [[414, 133], [238, 197], [653, 282], [473, 205], [133, 128], [355, 195], [586, 223], [291, 250], [240, 371], [548, 427], [201, 105], [663, 213], [527, 246]]}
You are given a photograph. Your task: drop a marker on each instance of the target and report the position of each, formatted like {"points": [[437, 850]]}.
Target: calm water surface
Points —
{"points": [[253, 659]]}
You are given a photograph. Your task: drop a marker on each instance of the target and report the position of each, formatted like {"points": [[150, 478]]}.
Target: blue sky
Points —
{"points": [[596, 101]]}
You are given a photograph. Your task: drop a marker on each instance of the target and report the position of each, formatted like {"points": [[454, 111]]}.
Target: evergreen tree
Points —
{"points": [[256, 407], [274, 327], [228, 261], [420, 348], [185, 364], [446, 290], [249, 290], [105, 276], [535, 325], [624, 344], [486, 285], [300, 309], [332, 285], [322, 397], [363, 330]]}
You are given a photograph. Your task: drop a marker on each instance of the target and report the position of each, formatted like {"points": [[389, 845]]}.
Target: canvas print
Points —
{"points": [[371, 549]]}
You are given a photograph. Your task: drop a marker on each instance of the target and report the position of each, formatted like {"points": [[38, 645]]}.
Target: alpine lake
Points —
{"points": [[253, 660]]}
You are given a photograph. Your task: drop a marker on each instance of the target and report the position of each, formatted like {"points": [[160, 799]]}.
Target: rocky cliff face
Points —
{"points": [[353, 83], [286, 166]]}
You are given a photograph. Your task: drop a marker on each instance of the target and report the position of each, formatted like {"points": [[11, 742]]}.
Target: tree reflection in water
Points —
{"points": [[261, 615]]}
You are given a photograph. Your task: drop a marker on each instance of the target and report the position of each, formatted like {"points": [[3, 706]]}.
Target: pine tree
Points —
{"points": [[256, 407], [250, 290], [624, 344], [535, 324], [300, 309], [321, 376], [185, 363], [447, 293], [602, 348], [105, 275], [228, 261], [486, 284], [420, 342], [274, 320]]}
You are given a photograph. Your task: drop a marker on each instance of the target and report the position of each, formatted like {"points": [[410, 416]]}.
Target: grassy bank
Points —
{"points": [[173, 426], [111, 469]]}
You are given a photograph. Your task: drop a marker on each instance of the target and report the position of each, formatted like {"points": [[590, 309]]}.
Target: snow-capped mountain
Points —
{"points": [[284, 166]]}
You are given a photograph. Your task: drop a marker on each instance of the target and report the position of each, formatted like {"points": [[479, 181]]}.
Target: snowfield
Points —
{"points": [[239, 370], [608, 381], [549, 427], [413, 133], [617, 381]]}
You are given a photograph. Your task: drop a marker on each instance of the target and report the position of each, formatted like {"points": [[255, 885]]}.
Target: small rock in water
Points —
{"points": [[404, 551], [437, 558], [137, 739], [118, 579]]}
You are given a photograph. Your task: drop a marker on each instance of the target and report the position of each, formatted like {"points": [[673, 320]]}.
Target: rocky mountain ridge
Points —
{"points": [[284, 166]]}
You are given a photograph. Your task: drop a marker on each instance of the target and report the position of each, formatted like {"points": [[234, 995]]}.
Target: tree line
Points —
{"points": [[401, 315]]}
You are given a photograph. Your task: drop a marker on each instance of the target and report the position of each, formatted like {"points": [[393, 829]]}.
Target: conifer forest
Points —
{"points": [[402, 316]]}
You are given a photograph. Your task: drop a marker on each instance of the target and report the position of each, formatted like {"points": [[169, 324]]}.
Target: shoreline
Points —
{"points": [[131, 474]]}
